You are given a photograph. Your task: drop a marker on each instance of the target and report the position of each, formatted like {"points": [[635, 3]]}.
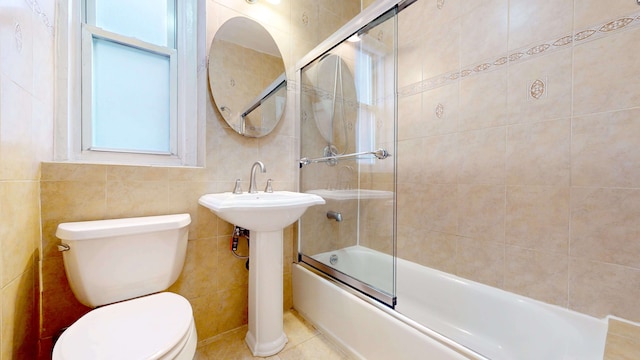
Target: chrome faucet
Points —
{"points": [[252, 181]]}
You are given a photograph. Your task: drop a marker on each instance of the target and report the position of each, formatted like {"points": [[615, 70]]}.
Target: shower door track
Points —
{"points": [[358, 285]]}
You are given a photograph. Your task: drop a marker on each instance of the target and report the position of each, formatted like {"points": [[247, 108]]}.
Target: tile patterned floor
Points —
{"points": [[305, 342]]}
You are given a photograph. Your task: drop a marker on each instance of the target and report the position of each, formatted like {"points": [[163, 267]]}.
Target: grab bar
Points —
{"points": [[381, 154]]}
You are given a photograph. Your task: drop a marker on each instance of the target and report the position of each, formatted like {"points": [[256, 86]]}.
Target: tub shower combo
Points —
{"points": [[349, 280]]}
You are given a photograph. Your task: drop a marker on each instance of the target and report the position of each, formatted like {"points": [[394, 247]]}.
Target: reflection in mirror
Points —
{"points": [[265, 111], [246, 76], [332, 90]]}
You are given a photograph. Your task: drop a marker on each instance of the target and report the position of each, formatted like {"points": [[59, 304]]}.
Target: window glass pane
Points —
{"points": [[148, 20], [131, 98]]}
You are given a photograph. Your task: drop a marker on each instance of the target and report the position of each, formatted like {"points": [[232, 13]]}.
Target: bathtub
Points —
{"points": [[439, 316]]}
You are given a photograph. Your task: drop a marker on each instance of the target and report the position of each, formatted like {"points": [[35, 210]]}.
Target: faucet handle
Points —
{"points": [[268, 188], [237, 189]]}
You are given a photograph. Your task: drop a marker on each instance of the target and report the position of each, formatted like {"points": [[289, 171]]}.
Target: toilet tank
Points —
{"points": [[113, 260]]}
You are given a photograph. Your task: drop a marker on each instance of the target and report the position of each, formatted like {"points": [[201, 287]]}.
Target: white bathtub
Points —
{"points": [[440, 316]]}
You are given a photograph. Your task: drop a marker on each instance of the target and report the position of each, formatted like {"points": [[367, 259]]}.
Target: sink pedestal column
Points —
{"points": [[266, 336]]}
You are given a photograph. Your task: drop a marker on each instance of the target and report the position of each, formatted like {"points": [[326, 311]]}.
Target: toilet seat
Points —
{"points": [[151, 327]]}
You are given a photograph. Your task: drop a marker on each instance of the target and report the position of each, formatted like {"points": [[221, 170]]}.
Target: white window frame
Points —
{"points": [[189, 119]]}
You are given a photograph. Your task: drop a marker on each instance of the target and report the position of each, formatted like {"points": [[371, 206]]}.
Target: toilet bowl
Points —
{"points": [[158, 326], [120, 267]]}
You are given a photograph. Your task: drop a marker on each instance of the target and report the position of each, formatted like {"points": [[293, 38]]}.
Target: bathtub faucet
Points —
{"points": [[337, 216], [252, 181]]}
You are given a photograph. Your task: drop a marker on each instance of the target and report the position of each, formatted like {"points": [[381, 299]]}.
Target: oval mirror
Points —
{"points": [[247, 77]]}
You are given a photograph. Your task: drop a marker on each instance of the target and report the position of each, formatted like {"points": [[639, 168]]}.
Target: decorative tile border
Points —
{"points": [[44, 19], [312, 91], [525, 53]]}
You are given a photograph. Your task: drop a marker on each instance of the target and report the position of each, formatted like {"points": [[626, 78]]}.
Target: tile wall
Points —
{"points": [[26, 113], [519, 124], [537, 124]]}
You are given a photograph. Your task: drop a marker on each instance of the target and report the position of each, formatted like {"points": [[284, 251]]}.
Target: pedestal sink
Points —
{"points": [[265, 215]]}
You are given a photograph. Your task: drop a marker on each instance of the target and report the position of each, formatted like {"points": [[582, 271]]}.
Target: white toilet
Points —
{"points": [[123, 264]]}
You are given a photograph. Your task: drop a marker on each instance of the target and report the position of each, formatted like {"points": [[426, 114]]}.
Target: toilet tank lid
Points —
{"points": [[87, 230]]}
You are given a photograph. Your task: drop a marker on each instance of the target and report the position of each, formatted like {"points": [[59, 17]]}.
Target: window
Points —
{"points": [[129, 90]]}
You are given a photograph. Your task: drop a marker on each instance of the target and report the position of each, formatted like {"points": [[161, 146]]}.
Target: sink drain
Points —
{"points": [[333, 259]]}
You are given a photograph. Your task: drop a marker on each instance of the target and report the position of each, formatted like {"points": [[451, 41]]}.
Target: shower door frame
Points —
{"points": [[362, 21]]}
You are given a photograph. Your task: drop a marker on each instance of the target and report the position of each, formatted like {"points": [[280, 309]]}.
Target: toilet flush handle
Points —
{"points": [[63, 247]]}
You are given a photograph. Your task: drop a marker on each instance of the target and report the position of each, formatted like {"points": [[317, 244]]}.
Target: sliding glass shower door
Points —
{"points": [[348, 122]]}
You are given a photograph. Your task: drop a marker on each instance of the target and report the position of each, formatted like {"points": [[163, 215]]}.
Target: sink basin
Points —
{"points": [[260, 211]]}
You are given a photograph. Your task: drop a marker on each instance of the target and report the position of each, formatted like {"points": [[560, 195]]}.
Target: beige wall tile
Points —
{"points": [[540, 88], [604, 225], [440, 111], [200, 275], [206, 314], [332, 19], [183, 198], [232, 307], [407, 243], [621, 348], [481, 212], [438, 158], [206, 223], [411, 22], [437, 250], [73, 172], [233, 156], [593, 12], [409, 110], [273, 149], [623, 340], [19, 228], [410, 56], [537, 218], [480, 261], [136, 173], [604, 149], [410, 207], [604, 74], [539, 20], [133, 198], [539, 275], [483, 100], [483, 31], [187, 174], [482, 156], [19, 318], [73, 201], [439, 209], [26, 128], [409, 160], [235, 274], [600, 289], [17, 37], [305, 23], [17, 152], [60, 308], [441, 49], [539, 154], [623, 328], [287, 291]]}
